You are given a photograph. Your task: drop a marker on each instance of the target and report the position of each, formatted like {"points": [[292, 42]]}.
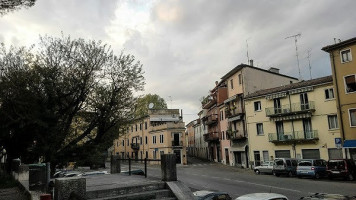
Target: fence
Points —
{"points": [[137, 160]]}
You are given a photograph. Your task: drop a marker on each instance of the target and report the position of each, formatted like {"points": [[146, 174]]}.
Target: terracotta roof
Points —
{"points": [[239, 67], [312, 82], [339, 45]]}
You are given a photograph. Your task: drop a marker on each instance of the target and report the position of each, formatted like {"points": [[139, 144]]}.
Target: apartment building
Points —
{"points": [[161, 132], [297, 120], [240, 81], [343, 66], [211, 120]]}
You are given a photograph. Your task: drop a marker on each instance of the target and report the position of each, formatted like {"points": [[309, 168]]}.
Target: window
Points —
{"points": [[265, 156], [145, 125], [140, 126], [221, 115], [135, 127], [123, 142], [128, 142], [154, 141], [146, 140], [223, 135], [346, 56], [154, 154], [329, 93], [259, 127], [352, 113], [257, 105], [141, 140], [131, 128], [117, 143], [332, 121], [240, 79], [232, 84], [161, 139], [350, 83]]}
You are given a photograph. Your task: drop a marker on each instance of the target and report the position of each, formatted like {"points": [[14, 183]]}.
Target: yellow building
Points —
{"points": [[161, 132], [343, 65], [298, 120]]}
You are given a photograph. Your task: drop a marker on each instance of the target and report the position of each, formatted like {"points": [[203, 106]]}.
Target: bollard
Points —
{"points": [[129, 166], [145, 167], [168, 167]]}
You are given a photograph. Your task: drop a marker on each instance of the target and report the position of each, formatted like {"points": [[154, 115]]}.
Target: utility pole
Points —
{"points": [[296, 50]]}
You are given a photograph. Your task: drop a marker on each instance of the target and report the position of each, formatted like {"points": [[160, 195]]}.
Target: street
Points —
{"points": [[202, 175]]}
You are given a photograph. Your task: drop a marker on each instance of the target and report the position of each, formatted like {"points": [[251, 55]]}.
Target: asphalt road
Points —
{"points": [[202, 175]]}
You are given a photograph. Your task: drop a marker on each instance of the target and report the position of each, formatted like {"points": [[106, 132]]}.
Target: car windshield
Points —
{"points": [[336, 165], [305, 163]]}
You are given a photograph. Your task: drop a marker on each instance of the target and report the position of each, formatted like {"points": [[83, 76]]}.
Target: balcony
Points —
{"points": [[176, 143], [296, 136], [211, 119], [291, 109], [235, 135], [213, 136], [135, 146], [233, 112]]}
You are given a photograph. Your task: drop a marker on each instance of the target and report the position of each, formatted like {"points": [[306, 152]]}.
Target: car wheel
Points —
{"points": [[290, 174], [317, 176], [350, 177], [330, 176], [299, 176], [276, 174], [257, 171]]}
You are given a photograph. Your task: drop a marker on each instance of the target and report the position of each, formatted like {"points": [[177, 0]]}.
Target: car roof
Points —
{"points": [[202, 193], [260, 196]]}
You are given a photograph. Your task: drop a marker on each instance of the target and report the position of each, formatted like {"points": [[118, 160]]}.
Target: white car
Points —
{"points": [[265, 167], [262, 196]]}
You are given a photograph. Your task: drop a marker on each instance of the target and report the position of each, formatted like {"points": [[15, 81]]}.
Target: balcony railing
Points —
{"points": [[176, 143], [233, 112], [291, 109], [214, 136], [211, 119], [294, 136], [235, 135], [135, 146]]}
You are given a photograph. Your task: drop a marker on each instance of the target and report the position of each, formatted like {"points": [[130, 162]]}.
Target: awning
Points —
{"points": [[238, 147], [349, 144], [230, 99]]}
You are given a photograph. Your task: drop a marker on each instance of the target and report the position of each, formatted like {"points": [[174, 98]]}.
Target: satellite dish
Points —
{"points": [[151, 105]]}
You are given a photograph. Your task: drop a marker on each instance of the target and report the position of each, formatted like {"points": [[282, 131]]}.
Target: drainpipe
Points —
{"points": [[294, 143], [338, 100]]}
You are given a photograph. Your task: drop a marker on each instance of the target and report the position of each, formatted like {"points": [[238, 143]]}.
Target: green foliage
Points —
{"points": [[141, 108], [12, 5], [66, 95]]}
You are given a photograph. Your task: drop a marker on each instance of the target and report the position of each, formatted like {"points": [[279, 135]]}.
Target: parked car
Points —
{"points": [[94, 173], [265, 167], [262, 196], [315, 168], [325, 196], [344, 168], [211, 195], [287, 166]]}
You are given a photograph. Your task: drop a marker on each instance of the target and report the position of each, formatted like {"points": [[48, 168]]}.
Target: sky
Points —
{"points": [[187, 45]]}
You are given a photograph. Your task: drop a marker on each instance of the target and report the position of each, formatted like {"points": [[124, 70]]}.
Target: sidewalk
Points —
{"points": [[13, 193]]}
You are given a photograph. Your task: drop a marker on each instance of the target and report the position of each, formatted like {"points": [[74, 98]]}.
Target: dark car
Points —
{"points": [[287, 166], [315, 168], [341, 168]]}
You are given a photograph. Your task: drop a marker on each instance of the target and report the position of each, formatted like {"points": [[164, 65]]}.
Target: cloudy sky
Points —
{"points": [[187, 45]]}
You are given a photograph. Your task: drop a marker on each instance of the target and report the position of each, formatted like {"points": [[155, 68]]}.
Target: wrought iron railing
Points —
{"points": [[291, 136], [291, 108]]}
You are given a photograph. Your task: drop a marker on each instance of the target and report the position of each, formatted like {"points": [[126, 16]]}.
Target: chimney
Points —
{"points": [[251, 62], [274, 70]]}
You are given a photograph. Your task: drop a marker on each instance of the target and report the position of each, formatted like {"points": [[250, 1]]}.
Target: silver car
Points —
{"points": [[262, 196], [265, 167]]}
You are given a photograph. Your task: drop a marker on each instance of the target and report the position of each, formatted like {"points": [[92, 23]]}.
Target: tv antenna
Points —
{"points": [[151, 105], [309, 55], [296, 50]]}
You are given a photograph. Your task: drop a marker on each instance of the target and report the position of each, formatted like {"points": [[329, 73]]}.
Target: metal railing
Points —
{"points": [[290, 108], [296, 135], [135, 146], [141, 160]]}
